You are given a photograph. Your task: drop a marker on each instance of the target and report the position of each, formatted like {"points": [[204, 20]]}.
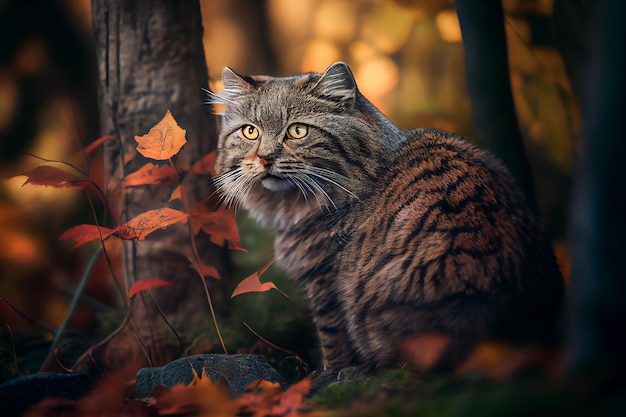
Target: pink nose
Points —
{"points": [[264, 161]]}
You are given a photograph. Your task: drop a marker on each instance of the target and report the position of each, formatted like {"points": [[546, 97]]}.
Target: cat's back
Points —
{"points": [[446, 212]]}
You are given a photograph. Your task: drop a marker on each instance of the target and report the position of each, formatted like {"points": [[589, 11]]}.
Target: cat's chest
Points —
{"points": [[312, 244]]}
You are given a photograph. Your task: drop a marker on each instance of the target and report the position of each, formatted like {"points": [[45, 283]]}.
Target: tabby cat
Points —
{"points": [[390, 233]]}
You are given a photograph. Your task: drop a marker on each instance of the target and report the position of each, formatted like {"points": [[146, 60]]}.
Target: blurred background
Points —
{"points": [[407, 57]]}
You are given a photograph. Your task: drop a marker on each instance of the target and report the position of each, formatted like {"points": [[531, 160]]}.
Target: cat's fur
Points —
{"points": [[390, 233]]}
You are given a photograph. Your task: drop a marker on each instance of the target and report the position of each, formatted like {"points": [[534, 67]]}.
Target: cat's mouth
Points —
{"points": [[275, 182]]}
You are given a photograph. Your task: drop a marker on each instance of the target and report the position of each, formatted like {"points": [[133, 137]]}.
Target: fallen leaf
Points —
{"points": [[163, 141], [142, 225], [145, 284], [93, 145], [152, 174], [85, 233], [421, 352], [202, 397], [253, 283], [267, 399], [220, 225]]}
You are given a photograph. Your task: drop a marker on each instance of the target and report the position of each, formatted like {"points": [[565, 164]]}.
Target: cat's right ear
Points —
{"points": [[337, 84]]}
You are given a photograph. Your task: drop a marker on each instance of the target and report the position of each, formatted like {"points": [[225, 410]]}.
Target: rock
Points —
{"points": [[238, 371], [18, 394]]}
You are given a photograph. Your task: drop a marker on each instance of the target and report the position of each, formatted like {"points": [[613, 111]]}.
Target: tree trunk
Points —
{"points": [[489, 85], [597, 342], [151, 59]]}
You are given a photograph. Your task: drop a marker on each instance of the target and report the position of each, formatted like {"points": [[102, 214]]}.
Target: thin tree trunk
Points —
{"points": [[489, 84], [151, 59]]}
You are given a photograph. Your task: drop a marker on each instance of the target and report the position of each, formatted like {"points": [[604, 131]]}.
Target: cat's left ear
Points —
{"points": [[234, 84], [336, 84]]}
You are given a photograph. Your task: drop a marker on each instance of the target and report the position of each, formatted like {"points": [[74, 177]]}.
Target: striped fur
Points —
{"points": [[390, 233]]}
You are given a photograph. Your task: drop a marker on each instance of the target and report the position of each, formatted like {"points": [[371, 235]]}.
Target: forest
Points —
{"points": [[125, 292]]}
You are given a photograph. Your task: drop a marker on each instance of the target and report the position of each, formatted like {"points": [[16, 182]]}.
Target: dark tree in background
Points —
{"points": [[151, 59], [597, 343], [489, 85]]}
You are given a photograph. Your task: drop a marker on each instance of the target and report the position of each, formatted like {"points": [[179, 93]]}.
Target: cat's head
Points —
{"points": [[311, 140]]}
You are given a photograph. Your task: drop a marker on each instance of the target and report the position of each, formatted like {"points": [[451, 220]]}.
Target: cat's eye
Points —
{"points": [[297, 130], [249, 132]]}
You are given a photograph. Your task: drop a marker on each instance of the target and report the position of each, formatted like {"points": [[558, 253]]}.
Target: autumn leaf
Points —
{"points": [[176, 194], [202, 397], [142, 225], [208, 270], [163, 141], [152, 174], [220, 225], [205, 165], [85, 233], [253, 283], [93, 145], [49, 176], [145, 284], [264, 398]]}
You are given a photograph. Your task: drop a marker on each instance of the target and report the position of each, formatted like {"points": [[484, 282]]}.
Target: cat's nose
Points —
{"points": [[264, 162]]}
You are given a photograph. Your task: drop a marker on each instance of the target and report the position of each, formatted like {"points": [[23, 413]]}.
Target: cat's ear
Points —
{"points": [[337, 84], [234, 84]]}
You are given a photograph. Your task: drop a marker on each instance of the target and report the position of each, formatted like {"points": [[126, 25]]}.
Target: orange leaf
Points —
{"points": [[85, 233], [163, 141], [141, 226], [263, 398], [176, 194], [152, 174], [93, 145], [253, 283], [205, 165], [50, 176], [220, 225], [145, 284], [202, 397]]}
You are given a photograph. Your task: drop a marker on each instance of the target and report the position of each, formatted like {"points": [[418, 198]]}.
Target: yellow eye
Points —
{"points": [[298, 130], [249, 132]]}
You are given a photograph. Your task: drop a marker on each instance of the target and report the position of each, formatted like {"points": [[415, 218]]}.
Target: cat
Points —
{"points": [[390, 233]]}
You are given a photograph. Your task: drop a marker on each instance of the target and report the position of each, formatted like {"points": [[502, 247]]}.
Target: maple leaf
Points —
{"points": [[152, 174], [145, 284], [253, 283], [142, 225], [85, 233], [50, 176], [163, 141], [176, 194], [220, 225]]}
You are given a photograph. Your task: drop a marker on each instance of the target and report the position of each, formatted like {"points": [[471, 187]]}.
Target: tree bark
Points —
{"points": [[489, 85], [151, 59], [597, 339]]}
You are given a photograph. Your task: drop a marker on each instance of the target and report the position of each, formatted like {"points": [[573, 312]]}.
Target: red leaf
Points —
{"points": [[145, 284], [176, 194], [220, 225], [208, 271], [152, 174], [205, 165], [85, 233], [93, 145], [50, 176], [141, 226], [253, 283]]}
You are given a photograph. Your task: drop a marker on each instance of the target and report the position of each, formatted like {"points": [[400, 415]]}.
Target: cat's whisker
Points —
{"points": [[325, 174], [216, 98], [304, 180], [317, 186]]}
